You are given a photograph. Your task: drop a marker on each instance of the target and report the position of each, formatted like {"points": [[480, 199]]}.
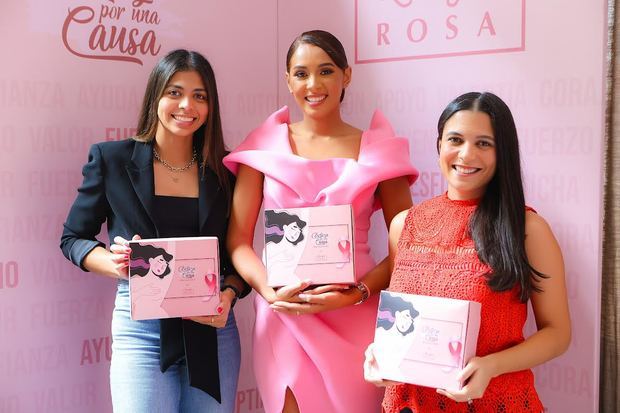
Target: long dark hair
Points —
{"points": [[208, 139], [327, 42], [140, 255], [275, 222], [497, 226]]}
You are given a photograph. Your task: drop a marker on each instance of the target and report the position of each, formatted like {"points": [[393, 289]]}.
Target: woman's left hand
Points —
{"points": [[319, 299], [477, 373], [219, 320]]}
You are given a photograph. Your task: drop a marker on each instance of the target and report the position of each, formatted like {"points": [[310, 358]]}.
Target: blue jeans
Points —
{"points": [[138, 385]]}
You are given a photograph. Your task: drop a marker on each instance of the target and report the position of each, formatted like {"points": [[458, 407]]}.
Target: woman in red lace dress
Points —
{"points": [[480, 242]]}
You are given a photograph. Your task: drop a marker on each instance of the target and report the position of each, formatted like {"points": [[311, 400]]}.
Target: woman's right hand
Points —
{"points": [[288, 293], [120, 256], [371, 369]]}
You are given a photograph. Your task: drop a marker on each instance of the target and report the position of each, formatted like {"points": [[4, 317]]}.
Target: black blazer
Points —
{"points": [[118, 188]]}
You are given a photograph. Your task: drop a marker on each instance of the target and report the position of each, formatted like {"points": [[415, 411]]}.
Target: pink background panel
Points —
{"points": [[55, 320]]}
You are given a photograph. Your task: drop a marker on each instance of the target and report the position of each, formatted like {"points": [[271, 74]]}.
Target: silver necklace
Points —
{"points": [[175, 168]]}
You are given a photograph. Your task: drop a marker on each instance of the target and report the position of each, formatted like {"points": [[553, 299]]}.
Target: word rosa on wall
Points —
{"points": [[112, 31], [387, 30]]}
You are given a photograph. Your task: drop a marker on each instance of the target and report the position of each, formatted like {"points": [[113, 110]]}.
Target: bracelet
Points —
{"points": [[364, 290], [234, 290]]}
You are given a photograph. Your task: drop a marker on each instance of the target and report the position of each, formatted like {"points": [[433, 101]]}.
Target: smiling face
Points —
{"points": [[467, 155], [183, 108], [158, 265], [403, 321], [291, 232], [315, 81]]}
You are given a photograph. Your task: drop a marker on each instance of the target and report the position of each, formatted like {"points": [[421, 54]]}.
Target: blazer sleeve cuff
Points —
{"points": [[81, 248]]}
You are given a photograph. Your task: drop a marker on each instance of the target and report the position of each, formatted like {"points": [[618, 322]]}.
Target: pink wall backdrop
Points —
{"points": [[65, 84]]}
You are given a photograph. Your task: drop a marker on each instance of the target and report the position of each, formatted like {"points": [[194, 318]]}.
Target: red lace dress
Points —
{"points": [[437, 257]]}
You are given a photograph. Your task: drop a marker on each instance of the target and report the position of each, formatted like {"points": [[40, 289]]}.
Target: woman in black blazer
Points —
{"points": [[168, 181]]}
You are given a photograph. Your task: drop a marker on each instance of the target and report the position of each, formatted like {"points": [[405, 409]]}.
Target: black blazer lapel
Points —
{"points": [[209, 190], [140, 172]]}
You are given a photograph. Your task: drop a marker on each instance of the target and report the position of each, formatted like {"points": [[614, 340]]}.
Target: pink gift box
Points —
{"points": [[425, 340], [174, 277], [313, 243]]}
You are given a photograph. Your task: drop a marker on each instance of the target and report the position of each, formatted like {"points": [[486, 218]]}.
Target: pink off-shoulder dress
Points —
{"points": [[320, 356]]}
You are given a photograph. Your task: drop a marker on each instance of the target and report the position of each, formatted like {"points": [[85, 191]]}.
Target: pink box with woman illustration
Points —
{"points": [[313, 243], [174, 277], [425, 340]]}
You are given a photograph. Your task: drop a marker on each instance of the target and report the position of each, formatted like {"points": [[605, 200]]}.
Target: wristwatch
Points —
{"points": [[364, 290], [234, 290]]}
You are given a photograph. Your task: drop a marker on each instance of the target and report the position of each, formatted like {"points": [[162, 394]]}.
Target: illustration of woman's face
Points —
{"points": [[291, 232], [403, 320], [158, 265]]}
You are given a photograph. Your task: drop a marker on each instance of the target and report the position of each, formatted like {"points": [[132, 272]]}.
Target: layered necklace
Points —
{"points": [[175, 169]]}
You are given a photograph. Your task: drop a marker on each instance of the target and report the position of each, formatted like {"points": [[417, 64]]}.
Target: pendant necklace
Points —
{"points": [[175, 169]]}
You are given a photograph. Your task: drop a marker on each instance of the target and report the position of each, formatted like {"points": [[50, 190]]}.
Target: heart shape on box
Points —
{"points": [[344, 245], [211, 281], [455, 346]]}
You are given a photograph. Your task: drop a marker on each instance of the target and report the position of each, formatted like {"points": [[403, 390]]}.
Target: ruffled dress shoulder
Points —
{"points": [[309, 182]]}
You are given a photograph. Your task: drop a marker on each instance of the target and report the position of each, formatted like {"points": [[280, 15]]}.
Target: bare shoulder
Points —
{"points": [[398, 222], [248, 174], [536, 225], [350, 130], [542, 248], [294, 127]]}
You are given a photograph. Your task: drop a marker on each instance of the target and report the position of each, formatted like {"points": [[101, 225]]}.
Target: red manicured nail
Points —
{"points": [[219, 310]]}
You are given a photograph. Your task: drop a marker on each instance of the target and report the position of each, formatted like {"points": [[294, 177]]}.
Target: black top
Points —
{"points": [[178, 217]]}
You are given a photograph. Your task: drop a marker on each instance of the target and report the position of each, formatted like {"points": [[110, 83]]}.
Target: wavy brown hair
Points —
{"points": [[208, 139]]}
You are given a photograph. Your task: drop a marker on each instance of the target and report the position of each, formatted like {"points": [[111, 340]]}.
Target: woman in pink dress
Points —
{"points": [[309, 343]]}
